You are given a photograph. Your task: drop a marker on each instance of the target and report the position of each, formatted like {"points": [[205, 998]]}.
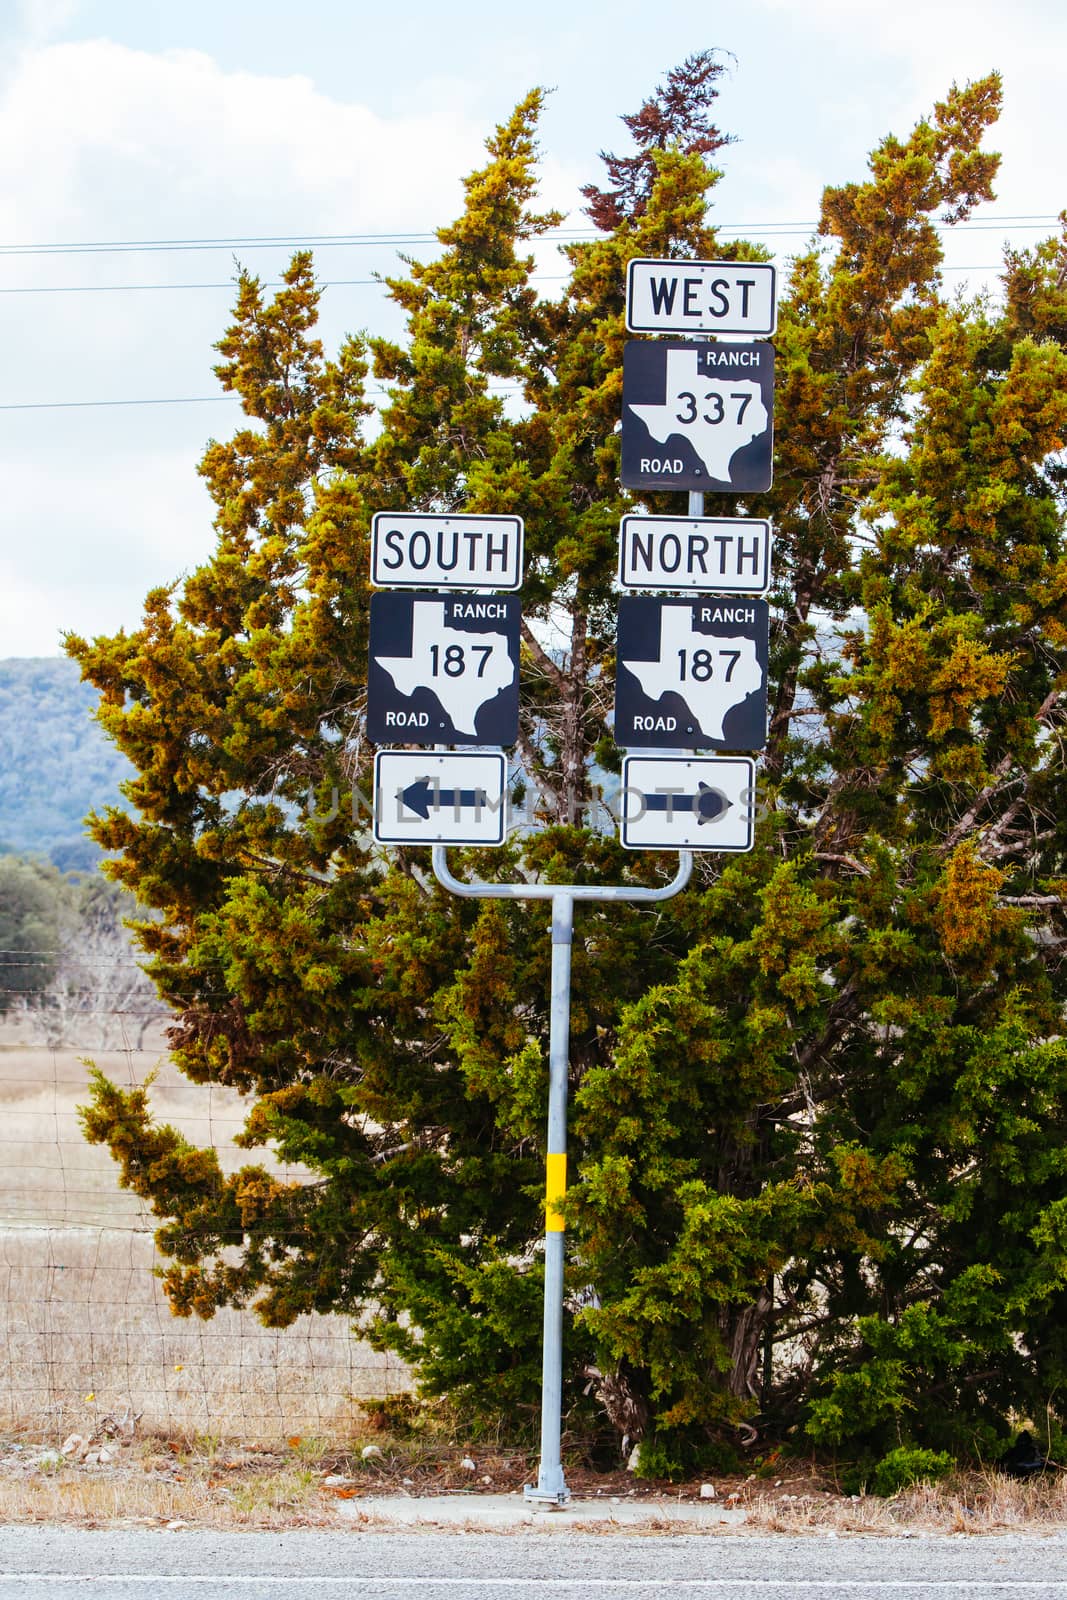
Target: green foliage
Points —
{"points": [[683, 1452], [903, 1467], [819, 1138], [657, 1460]]}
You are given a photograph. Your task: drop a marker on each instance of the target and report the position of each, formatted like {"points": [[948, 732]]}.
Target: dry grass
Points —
{"points": [[84, 1327], [213, 1482], [49, 1176], [970, 1503]]}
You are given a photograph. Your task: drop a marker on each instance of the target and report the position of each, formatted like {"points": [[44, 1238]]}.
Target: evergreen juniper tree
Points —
{"points": [[818, 1132]]}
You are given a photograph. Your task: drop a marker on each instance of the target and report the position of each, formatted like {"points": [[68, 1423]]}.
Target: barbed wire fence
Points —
{"points": [[86, 1334]]}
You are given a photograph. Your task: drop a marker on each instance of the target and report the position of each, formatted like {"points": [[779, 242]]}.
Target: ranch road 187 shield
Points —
{"points": [[697, 416], [691, 674], [444, 668]]}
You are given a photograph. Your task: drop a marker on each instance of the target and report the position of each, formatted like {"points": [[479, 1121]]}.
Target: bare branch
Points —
{"points": [[845, 860], [542, 657]]}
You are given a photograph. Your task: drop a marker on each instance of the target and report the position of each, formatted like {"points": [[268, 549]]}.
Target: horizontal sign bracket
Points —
{"points": [[635, 893]]}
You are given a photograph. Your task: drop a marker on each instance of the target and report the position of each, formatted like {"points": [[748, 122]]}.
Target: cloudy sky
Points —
{"points": [[184, 133]]}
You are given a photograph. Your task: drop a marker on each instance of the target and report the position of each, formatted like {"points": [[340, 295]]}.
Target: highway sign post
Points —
{"points": [[701, 297], [697, 416], [691, 674], [436, 797], [730, 555], [417, 550], [444, 669], [703, 803], [551, 1487]]}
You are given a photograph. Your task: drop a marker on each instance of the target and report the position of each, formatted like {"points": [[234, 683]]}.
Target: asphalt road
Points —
{"points": [[542, 1565]]}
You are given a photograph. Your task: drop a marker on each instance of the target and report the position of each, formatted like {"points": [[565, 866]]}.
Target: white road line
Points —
{"points": [[292, 1581]]}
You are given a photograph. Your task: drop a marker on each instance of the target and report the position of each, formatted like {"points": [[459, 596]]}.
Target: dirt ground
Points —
{"points": [[109, 1477]]}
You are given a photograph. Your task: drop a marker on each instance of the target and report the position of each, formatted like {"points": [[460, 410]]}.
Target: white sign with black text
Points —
{"points": [[701, 297], [729, 555], [701, 803], [420, 550], [436, 797]]}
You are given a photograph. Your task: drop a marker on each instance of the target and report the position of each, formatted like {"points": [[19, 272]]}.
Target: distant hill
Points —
{"points": [[55, 763]]}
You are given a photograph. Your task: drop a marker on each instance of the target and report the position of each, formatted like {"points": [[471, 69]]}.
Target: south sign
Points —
{"points": [[417, 550]]}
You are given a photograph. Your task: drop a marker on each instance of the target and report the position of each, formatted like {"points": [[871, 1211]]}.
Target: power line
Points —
{"points": [[324, 241], [326, 283], [343, 240], [127, 288], [179, 400], [81, 405]]}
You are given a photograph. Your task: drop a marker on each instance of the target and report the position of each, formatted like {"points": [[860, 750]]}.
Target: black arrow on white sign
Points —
{"points": [[707, 804], [425, 794]]}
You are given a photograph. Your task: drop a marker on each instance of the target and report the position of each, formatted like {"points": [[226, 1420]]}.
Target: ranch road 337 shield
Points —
{"points": [[691, 674], [697, 416], [444, 668]]}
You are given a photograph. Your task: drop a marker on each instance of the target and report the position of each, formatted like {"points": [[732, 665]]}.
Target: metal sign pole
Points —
{"points": [[551, 1486], [550, 1482]]}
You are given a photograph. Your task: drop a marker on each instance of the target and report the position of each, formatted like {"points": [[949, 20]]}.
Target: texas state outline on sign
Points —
{"points": [[463, 695], [738, 403], [710, 701]]}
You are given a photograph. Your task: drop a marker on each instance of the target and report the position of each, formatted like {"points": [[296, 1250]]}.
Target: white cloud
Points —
{"points": [[102, 142], [97, 138]]}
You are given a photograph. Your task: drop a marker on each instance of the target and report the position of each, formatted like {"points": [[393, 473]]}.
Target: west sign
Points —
{"points": [[701, 297]]}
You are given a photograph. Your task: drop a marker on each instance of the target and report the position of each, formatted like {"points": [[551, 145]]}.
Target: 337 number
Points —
{"points": [[714, 398]]}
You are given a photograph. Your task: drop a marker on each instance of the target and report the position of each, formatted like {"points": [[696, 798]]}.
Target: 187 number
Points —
{"points": [[453, 664], [699, 665]]}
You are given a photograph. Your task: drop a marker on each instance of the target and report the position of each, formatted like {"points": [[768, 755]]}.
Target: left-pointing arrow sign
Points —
{"points": [[440, 797], [424, 796]]}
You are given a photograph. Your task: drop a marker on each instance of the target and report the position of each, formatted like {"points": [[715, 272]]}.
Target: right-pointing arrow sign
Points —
{"points": [[703, 803], [706, 804]]}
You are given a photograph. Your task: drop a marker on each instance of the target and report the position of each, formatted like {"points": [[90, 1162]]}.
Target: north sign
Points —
{"points": [[697, 416], [444, 669], [416, 550], [691, 674], [730, 555], [690, 297], [435, 797], [706, 803]]}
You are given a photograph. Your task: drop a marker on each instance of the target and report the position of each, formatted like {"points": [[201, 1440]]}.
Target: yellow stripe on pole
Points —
{"points": [[555, 1189]]}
